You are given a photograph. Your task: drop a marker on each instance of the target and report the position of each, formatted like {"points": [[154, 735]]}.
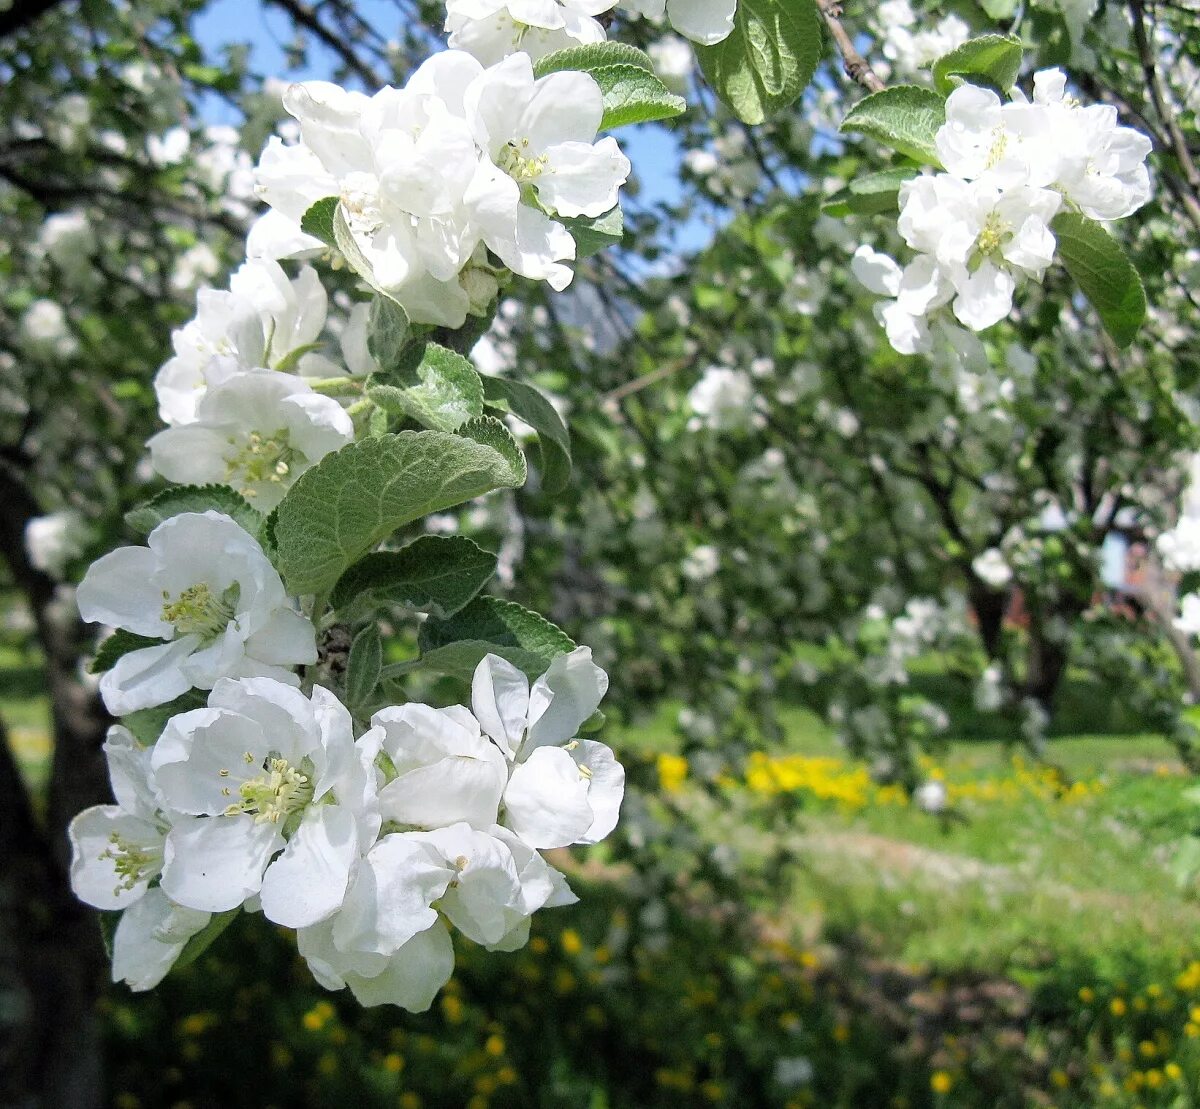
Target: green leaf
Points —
{"points": [[445, 392], [318, 220], [116, 646], [147, 724], [1104, 274], [356, 497], [438, 574], [491, 626], [108, 922], [993, 60], [631, 95], [904, 117], [554, 440], [363, 668], [768, 58], [205, 938], [194, 498], [870, 194], [596, 55], [594, 235], [388, 332]]}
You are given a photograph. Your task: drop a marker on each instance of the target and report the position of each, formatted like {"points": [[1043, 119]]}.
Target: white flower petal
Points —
{"points": [[307, 883], [546, 801]]}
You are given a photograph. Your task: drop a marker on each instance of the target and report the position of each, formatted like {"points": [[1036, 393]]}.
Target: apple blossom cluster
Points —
{"points": [[493, 29], [429, 178], [983, 226], [373, 847], [910, 50], [260, 790]]}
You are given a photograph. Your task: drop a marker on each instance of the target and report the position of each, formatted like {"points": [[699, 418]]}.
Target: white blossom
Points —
{"points": [[701, 563], [490, 30], [992, 568], [53, 541], [460, 159], [204, 586], [704, 21], [273, 798], [539, 136], [256, 431], [723, 399], [149, 937], [263, 320], [117, 850], [911, 50], [561, 789], [930, 796], [446, 770]]}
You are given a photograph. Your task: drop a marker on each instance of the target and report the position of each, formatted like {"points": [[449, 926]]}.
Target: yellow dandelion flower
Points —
{"points": [[571, 943], [941, 1082], [672, 772], [1117, 1007]]}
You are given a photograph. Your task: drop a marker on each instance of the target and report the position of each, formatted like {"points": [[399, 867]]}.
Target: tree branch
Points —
{"points": [[22, 14], [857, 68]]}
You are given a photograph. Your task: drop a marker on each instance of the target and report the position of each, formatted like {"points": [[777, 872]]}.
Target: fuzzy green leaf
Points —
{"points": [[318, 220], [194, 498], [388, 332], [869, 194], [594, 235], [356, 497], [1104, 274], [205, 938], [363, 667], [595, 55], [993, 60], [438, 574], [631, 95], [767, 60], [116, 646], [491, 626], [442, 393], [147, 724], [903, 117], [554, 440]]}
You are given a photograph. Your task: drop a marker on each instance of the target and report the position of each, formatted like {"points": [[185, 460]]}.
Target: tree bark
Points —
{"points": [[50, 958], [1046, 664]]}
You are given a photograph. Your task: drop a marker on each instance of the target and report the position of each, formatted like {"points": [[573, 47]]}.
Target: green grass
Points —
{"points": [[25, 711], [1061, 897]]}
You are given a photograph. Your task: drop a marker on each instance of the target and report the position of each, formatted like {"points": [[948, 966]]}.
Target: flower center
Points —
{"points": [[133, 862], [360, 202], [520, 165], [271, 797], [993, 234], [998, 149], [198, 611], [262, 459]]}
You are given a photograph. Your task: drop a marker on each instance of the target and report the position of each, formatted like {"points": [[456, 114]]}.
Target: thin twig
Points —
{"points": [[1178, 141], [857, 68]]}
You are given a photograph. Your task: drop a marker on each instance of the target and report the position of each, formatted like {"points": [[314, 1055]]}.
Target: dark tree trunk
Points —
{"points": [[1046, 664], [989, 606], [51, 960]]}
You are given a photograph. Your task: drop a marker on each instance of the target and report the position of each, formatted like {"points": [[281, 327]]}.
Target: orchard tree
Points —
{"points": [[864, 448]]}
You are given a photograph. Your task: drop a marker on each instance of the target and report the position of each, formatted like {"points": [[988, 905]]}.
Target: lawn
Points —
{"points": [[794, 935]]}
